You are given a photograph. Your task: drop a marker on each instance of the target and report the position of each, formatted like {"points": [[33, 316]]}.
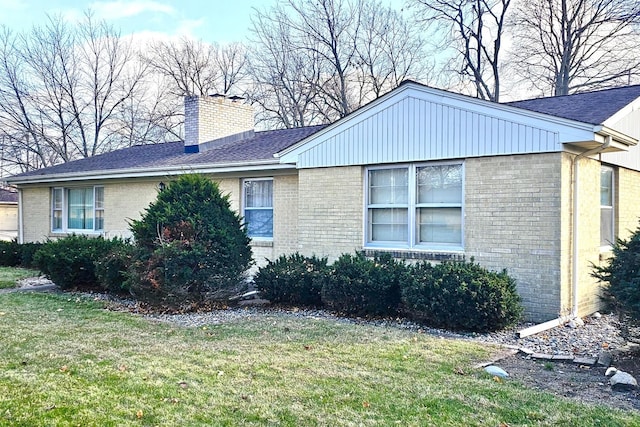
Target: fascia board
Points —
{"points": [[632, 106], [149, 172]]}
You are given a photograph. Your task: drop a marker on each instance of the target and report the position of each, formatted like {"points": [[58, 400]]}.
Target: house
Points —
{"points": [[539, 187], [8, 214]]}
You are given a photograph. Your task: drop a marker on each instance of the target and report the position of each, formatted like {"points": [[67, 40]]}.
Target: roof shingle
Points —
{"points": [[590, 107], [261, 147]]}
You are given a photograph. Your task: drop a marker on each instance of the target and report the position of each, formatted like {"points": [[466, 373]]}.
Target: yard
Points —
{"points": [[66, 361]]}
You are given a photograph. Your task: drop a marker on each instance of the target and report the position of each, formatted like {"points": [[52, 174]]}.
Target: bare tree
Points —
{"points": [[567, 46], [390, 49], [196, 68], [60, 90], [316, 61], [474, 29]]}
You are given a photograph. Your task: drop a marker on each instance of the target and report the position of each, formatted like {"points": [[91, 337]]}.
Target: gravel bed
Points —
{"points": [[599, 332]]}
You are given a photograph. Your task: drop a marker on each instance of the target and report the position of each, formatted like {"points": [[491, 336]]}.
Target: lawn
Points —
{"points": [[9, 275], [65, 361]]}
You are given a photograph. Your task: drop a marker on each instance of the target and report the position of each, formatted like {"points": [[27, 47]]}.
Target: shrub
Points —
{"points": [[192, 247], [357, 285], [69, 262], [9, 253], [111, 270], [461, 296], [292, 279], [27, 251], [622, 274]]}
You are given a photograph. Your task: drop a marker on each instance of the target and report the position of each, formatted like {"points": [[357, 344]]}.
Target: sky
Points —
{"points": [[213, 20], [219, 21]]}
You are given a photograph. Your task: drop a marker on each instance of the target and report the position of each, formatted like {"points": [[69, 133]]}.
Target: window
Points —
{"points": [[77, 209], [607, 223], [416, 206], [258, 207]]}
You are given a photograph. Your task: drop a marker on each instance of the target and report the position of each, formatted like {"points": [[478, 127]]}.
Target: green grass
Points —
{"points": [[69, 362], [9, 275]]}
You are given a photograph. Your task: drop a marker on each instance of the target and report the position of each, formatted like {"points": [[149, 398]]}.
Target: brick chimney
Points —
{"points": [[209, 118]]}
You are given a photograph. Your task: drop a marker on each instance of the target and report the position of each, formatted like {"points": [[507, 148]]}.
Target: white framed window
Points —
{"points": [[415, 206], [258, 207], [607, 211], [77, 209]]}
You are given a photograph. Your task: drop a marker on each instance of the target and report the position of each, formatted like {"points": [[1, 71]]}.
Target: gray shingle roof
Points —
{"points": [[589, 107], [261, 147]]}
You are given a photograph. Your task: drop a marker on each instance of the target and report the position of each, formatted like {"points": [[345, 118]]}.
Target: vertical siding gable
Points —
{"points": [[416, 129]]}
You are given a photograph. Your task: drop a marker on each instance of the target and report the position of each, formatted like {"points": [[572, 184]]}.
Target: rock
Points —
{"points": [[496, 371], [604, 359], [597, 315], [610, 372], [586, 361], [575, 323], [622, 381]]}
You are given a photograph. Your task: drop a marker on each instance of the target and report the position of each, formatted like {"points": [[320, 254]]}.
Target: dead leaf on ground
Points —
{"points": [[139, 414], [64, 368]]}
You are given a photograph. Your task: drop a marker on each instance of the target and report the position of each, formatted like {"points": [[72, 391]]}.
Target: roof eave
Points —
{"points": [[150, 172]]}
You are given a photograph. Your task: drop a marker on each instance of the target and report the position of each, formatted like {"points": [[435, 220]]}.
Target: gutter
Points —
{"points": [[575, 247], [20, 217], [162, 171]]}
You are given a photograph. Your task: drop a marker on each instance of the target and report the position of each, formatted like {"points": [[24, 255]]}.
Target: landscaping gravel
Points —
{"points": [[599, 332]]}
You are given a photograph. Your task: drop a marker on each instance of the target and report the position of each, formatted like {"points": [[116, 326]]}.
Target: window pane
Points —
{"points": [[258, 207], [57, 198], [258, 194], [80, 208], [259, 222], [440, 225], [57, 220], [606, 187], [440, 184], [388, 186], [99, 220], [606, 226], [388, 225], [99, 191]]}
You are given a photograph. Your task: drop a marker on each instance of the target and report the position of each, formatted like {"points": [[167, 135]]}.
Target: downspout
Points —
{"points": [[575, 240], [20, 217], [576, 234]]}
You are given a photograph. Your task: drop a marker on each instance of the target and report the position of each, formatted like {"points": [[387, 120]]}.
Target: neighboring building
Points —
{"points": [[538, 187], [8, 214]]}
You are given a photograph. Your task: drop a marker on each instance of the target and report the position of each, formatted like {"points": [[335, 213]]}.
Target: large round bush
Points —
{"points": [[192, 247]]}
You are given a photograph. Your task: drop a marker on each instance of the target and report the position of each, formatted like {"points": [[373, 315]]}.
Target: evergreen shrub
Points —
{"points": [[357, 285], [461, 295], [70, 262], [192, 247], [622, 275], [293, 280]]}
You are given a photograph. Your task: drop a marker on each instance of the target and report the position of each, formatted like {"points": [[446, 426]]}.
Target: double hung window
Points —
{"points": [[258, 207], [607, 219], [415, 206], [77, 209]]}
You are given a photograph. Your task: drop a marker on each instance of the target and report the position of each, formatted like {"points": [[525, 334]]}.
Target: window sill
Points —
{"points": [[417, 255], [261, 243]]}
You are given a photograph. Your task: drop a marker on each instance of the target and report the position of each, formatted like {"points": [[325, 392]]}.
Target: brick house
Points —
{"points": [[539, 187]]}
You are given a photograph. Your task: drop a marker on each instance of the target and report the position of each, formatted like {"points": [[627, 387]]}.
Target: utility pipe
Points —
{"points": [[576, 211], [575, 241]]}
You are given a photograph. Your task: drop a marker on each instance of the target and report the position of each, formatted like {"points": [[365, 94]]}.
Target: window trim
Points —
{"points": [[272, 209], [64, 209], [611, 208], [412, 207]]}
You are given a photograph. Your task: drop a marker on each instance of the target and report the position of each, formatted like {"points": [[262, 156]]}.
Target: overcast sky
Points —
{"points": [[212, 20]]}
